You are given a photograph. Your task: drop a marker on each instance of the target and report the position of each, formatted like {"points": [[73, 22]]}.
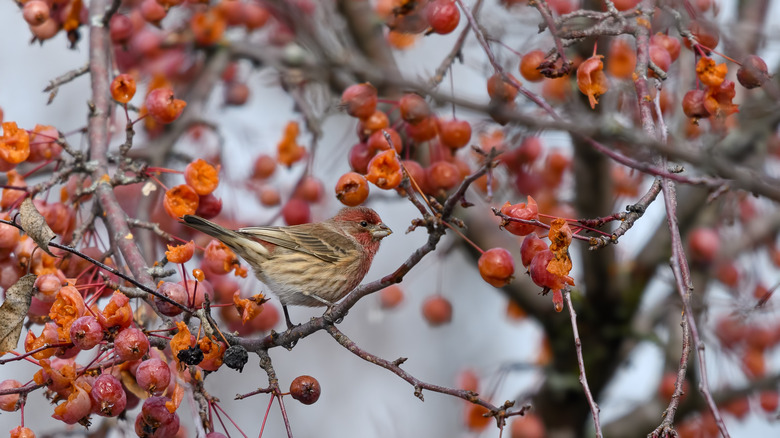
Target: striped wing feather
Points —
{"points": [[327, 245]]}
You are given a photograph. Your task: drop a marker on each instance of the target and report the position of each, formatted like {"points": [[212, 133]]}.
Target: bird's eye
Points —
{"points": [[363, 224]]}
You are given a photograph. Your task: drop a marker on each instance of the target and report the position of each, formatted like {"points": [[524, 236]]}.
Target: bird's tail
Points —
{"points": [[250, 250], [216, 231]]}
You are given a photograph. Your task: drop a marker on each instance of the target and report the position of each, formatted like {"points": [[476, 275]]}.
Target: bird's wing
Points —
{"points": [[327, 245]]}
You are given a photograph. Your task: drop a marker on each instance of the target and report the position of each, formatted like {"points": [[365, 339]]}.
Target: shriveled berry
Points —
{"points": [[236, 357], [305, 389], [190, 356], [414, 108]]}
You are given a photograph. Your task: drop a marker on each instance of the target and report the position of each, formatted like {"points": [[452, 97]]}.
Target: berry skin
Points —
{"points": [[693, 104], [500, 90], [497, 267], [305, 389], [437, 310]]}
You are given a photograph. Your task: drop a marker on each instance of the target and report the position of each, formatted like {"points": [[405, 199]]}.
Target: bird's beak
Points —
{"points": [[381, 231]]}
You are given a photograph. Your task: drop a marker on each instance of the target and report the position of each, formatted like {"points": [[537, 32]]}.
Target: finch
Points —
{"points": [[313, 264]]}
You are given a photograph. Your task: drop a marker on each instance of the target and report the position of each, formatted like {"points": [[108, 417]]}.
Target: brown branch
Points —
{"points": [[594, 407], [498, 412]]}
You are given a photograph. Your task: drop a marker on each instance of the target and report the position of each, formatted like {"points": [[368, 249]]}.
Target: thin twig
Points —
{"points": [[594, 408]]}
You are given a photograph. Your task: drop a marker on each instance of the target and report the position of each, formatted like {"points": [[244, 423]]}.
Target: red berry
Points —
{"points": [[500, 90], [360, 100], [454, 133], [174, 291], [131, 344], [8, 401], [310, 189], [768, 401], [305, 389], [378, 142], [414, 108], [443, 16], [497, 267], [624, 5], [35, 12], [162, 106], [296, 212], [153, 375], [693, 104], [704, 244], [236, 93], [753, 72], [264, 167], [86, 332], [531, 246], [443, 175], [108, 396], [120, 28], [359, 157], [437, 310], [521, 211], [391, 296], [527, 426]]}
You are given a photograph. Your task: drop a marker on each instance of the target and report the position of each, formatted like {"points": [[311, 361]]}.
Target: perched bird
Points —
{"points": [[313, 264]]}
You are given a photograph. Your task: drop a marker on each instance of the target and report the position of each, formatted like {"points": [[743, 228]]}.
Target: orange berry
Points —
{"points": [[123, 88], [384, 170], [497, 267], [180, 200], [529, 66], [202, 176], [454, 133], [443, 175], [527, 426], [352, 189], [475, 417], [424, 130], [391, 296], [437, 310], [264, 167]]}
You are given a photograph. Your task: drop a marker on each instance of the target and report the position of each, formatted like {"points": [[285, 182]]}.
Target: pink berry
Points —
{"points": [[153, 375], [108, 396], [86, 332], [131, 344]]}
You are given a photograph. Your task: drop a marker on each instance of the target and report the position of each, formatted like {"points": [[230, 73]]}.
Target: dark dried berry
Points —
{"points": [[305, 389], [236, 357], [190, 356]]}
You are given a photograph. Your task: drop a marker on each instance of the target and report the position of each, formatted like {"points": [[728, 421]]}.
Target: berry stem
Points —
{"points": [[464, 237]]}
